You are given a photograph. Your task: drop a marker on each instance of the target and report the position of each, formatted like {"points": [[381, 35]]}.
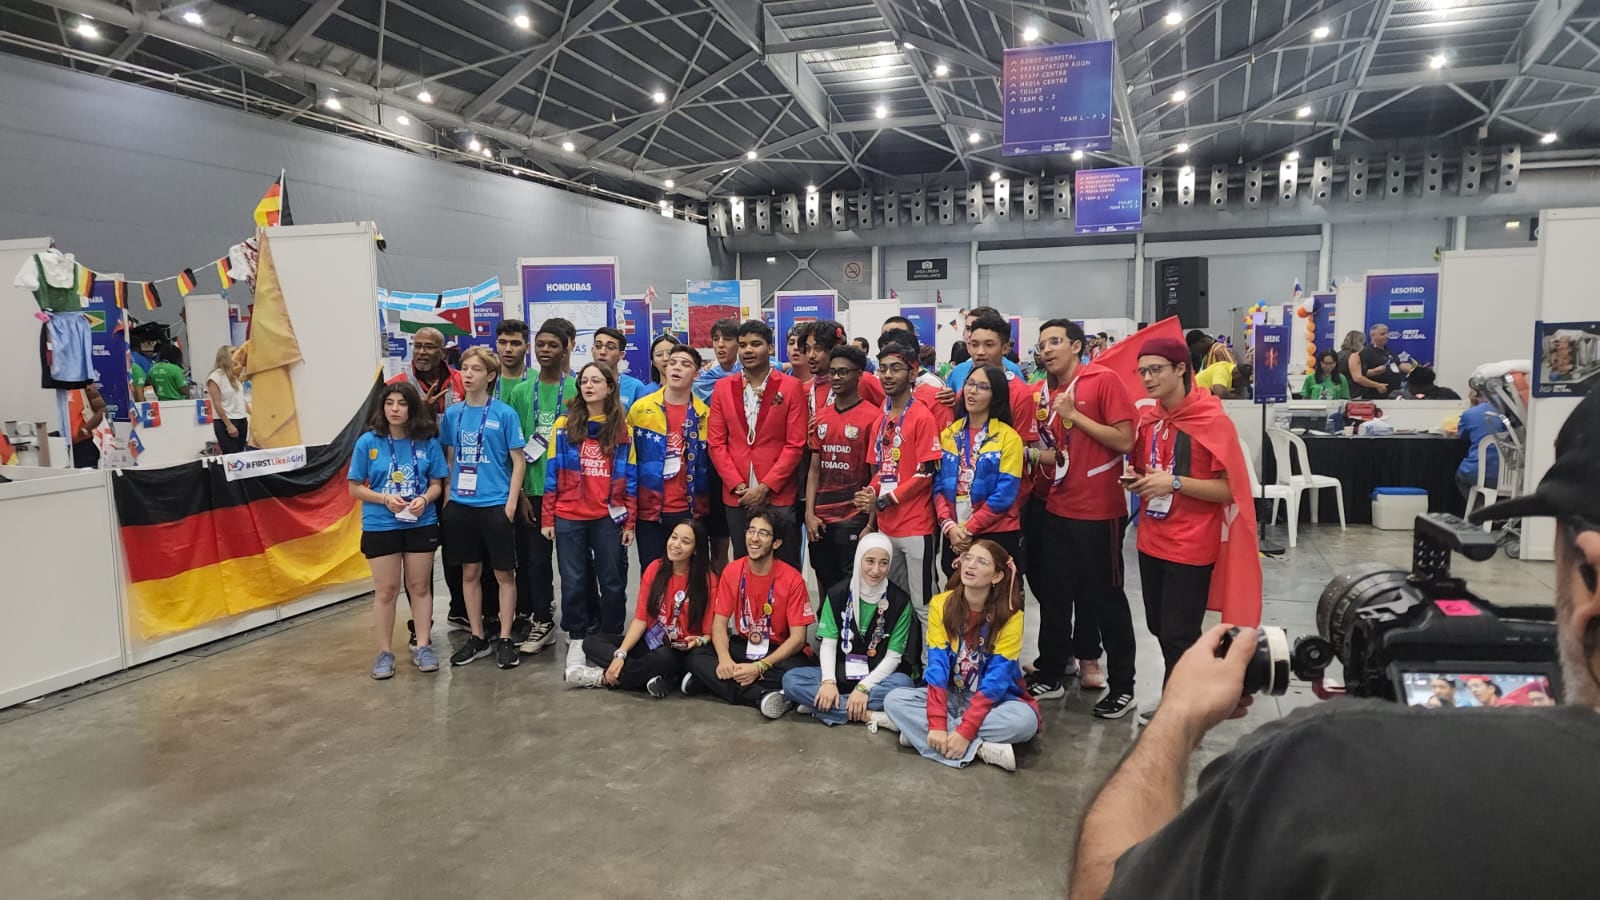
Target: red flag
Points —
{"points": [[1123, 356], [460, 317]]}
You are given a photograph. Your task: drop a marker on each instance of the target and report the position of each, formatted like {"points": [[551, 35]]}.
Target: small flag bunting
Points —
{"points": [[202, 412], [86, 281], [222, 273], [135, 446], [186, 282], [152, 297], [121, 294]]}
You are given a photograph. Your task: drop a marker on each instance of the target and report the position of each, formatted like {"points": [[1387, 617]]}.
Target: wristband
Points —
{"points": [[862, 688]]}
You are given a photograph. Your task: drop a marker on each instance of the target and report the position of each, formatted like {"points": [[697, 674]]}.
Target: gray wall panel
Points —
{"points": [[1079, 290]]}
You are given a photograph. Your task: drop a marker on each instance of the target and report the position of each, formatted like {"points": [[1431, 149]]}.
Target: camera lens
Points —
{"points": [[1347, 594], [1268, 669]]}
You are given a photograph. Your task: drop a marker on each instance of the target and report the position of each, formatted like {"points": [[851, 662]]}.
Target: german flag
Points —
{"points": [[222, 273], [152, 299], [185, 282], [201, 548], [8, 453], [120, 294], [274, 206], [86, 281]]}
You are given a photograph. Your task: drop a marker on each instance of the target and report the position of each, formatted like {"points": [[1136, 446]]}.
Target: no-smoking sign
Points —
{"points": [[853, 272]]}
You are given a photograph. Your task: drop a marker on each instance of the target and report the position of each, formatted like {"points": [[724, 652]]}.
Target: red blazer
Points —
{"points": [[780, 436]]}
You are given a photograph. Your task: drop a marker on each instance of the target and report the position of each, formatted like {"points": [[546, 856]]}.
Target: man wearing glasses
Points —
{"points": [[758, 629], [839, 468], [606, 349], [1079, 511]]}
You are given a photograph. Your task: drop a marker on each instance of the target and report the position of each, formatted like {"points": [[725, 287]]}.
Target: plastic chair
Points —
{"points": [[1489, 494], [1276, 493], [1287, 449]]}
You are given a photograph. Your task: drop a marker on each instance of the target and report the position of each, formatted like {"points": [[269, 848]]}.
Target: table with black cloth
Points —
{"points": [[1363, 463]]}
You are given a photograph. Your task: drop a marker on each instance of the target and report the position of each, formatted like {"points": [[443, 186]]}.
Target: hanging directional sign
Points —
{"points": [[1057, 99]]}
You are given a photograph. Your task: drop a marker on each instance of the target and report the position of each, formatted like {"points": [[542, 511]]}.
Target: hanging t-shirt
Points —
{"points": [[537, 406], [483, 438], [842, 442], [395, 466], [1191, 532]]}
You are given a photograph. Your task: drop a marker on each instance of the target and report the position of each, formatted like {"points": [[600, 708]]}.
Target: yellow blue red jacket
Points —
{"points": [[996, 477], [648, 419], [583, 482], [988, 678]]}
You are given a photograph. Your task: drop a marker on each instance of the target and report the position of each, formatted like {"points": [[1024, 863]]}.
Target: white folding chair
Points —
{"points": [[1275, 493], [1294, 473], [1489, 494]]}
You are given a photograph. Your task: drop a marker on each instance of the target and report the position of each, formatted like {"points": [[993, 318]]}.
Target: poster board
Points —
{"points": [[578, 289], [1408, 302], [794, 307]]}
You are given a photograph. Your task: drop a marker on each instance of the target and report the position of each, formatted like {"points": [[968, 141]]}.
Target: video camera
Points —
{"points": [[1414, 636]]}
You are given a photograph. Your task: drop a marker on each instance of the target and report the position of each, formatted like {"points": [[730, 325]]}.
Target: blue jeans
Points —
{"points": [[1011, 722], [801, 686], [576, 541]]}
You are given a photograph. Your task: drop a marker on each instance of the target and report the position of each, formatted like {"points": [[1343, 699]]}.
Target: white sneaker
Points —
{"points": [[1070, 669], [540, 636], [575, 657], [998, 755], [1146, 714], [904, 741], [774, 704], [585, 676], [876, 720]]}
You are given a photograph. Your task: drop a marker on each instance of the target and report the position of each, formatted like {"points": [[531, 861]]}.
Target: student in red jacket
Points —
{"points": [[756, 437]]}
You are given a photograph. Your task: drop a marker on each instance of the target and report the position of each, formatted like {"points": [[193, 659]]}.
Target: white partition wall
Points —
{"points": [[1569, 269], [206, 318], [1487, 302], [21, 397], [865, 318]]}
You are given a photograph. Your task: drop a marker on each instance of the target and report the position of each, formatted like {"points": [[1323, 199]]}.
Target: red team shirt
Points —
{"points": [[917, 439], [791, 604], [674, 494], [842, 441], [677, 584], [1191, 533], [1090, 490]]}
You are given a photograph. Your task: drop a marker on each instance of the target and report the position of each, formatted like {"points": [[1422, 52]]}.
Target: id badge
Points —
{"points": [[467, 481], [1395, 368], [671, 466], [405, 515], [755, 649], [655, 636], [618, 513], [1158, 507], [886, 484], [534, 450], [855, 667], [963, 508]]}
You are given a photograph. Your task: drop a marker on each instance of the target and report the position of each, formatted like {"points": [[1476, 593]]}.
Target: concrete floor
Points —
{"points": [[270, 765]]}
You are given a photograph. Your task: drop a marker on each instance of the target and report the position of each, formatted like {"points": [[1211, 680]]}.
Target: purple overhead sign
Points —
{"points": [[1057, 99], [1108, 201]]}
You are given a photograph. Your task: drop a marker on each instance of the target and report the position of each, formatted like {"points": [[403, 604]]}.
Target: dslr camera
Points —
{"points": [[1415, 637]]}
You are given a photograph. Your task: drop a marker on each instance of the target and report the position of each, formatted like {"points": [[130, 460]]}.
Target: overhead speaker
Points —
{"points": [[1321, 180], [919, 206], [1219, 187], [1030, 199], [891, 209], [789, 214], [763, 215], [1510, 168], [975, 203], [1394, 176], [1186, 187], [866, 216], [736, 213], [1470, 178], [836, 210], [1152, 191], [1002, 199], [1252, 185], [719, 220], [813, 211], [1432, 173], [1288, 179], [1356, 180], [947, 205], [1062, 194]]}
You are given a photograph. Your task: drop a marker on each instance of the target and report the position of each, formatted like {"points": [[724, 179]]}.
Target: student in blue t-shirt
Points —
{"points": [[1479, 421], [607, 349], [483, 442], [397, 471]]}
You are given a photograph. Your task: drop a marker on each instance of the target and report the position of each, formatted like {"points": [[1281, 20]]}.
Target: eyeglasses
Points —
{"points": [[976, 559], [606, 345], [1153, 371], [842, 372], [762, 533], [982, 387], [892, 368], [1050, 343]]}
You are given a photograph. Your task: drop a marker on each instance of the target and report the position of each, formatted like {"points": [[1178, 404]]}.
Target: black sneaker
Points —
{"points": [[459, 623], [1113, 706], [411, 629], [520, 626], [657, 686], [690, 685], [506, 655], [1039, 689], [474, 649]]}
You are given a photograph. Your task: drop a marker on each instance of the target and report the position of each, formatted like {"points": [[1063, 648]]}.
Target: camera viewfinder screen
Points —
{"points": [[1437, 690]]}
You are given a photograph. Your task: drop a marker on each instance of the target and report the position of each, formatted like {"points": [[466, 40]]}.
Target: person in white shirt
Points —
{"points": [[230, 412]]}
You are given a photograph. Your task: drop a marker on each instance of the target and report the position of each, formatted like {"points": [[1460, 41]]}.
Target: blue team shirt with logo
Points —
{"points": [[419, 463], [485, 437]]}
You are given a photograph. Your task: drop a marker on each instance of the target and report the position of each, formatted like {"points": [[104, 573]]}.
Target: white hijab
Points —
{"points": [[860, 590]]}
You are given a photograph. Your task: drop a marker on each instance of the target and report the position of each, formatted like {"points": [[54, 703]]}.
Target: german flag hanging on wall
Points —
{"points": [[185, 282], [201, 548], [152, 299]]}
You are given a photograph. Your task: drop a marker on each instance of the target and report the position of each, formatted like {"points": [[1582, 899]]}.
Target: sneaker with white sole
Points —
{"points": [[1145, 715], [878, 719], [904, 741], [1113, 706], [1000, 755], [657, 687], [540, 636], [774, 704], [1092, 674], [383, 667], [575, 657], [424, 659], [1070, 670], [474, 649], [458, 623], [505, 654], [585, 676], [1040, 689], [690, 685]]}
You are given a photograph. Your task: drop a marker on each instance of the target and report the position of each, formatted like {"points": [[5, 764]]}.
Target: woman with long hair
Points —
{"points": [[980, 473], [976, 702], [673, 617], [1327, 382], [1216, 375], [869, 633], [660, 349], [230, 414], [589, 507], [397, 471], [1350, 346]]}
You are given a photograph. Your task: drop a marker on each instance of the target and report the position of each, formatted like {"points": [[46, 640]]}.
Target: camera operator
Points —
{"points": [[1330, 801]]}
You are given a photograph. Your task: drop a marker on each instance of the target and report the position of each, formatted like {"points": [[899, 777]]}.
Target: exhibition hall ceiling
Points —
{"points": [[695, 98]]}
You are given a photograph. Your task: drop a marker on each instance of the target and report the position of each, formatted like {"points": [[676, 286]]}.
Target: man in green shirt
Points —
{"points": [[511, 346], [538, 400], [167, 376]]}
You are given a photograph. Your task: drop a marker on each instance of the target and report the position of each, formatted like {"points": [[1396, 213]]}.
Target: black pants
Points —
{"points": [[85, 455], [651, 537], [1033, 537], [231, 444], [789, 552], [536, 588], [702, 663], [641, 665], [1011, 541], [1082, 561], [1174, 604], [834, 555]]}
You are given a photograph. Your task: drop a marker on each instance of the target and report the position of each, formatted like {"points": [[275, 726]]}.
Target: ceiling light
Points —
{"points": [[811, 189], [1294, 156], [193, 18], [908, 45], [1548, 137], [668, 183], [659, 97], [403, 119], [1180, 95], [522, 21], [994, 176], [973, 137], [332, 103], [881, 112], [487, 153], [1436, 61], [568, 146], [1173, 18], [772, 259], [1303, 112], [1513, 224], [941, 70], [424, 96], [1030, 33], [750, 154], [87, 29], [1077, 156], [1183, 148], [1320, 32], [473, 145], [664, 204]]}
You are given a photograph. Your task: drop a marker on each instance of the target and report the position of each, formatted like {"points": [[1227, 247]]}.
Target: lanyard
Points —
{"points": [[691, 430], [1156, 432], [967, 442], [478, 444], [677, 605], [758, 394], [1047, 433], [746, 616], [561, 396], [845, 639], [883, 427], [394, 460]]}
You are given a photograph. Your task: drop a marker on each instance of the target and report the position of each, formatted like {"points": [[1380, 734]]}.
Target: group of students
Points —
{"points": [[894, 479]]}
